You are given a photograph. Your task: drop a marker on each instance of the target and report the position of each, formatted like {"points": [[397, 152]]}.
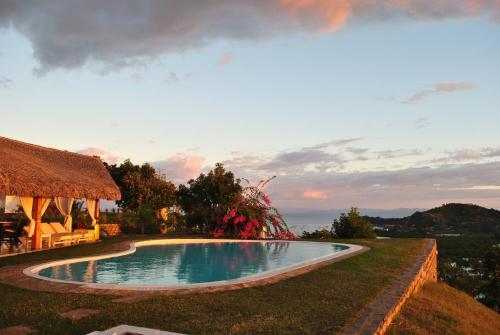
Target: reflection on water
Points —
{"points": [[191, 263]]}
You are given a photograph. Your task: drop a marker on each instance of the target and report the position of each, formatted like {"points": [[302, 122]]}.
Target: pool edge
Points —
{"points": [[252, 280]]}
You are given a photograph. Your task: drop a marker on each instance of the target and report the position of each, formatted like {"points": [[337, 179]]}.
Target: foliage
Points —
{"points": [[251, 216], [141, 186], [471, 264], [322, 234], [489, 268], [204, 196], [352, 225]]}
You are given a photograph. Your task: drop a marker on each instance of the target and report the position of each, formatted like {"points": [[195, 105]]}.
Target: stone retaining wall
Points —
{"points": [[377, 318], [112, 229]]}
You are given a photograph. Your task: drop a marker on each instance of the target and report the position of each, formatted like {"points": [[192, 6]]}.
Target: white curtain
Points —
{"points": [[45, 205], [91, 208], [64, 206], [27, 204]]}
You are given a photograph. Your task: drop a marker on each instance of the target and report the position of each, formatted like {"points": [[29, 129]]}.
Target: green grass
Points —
{"points": [[321, 301], [441, 309]]}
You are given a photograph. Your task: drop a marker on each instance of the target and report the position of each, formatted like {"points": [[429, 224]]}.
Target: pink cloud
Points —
{"points": [[180, 167], [440, 88], [106, 156], [226, 59], [314, 195], [331, 15]]}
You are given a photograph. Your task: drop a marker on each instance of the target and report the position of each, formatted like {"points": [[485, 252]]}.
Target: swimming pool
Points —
{"points": [[186, 263]]}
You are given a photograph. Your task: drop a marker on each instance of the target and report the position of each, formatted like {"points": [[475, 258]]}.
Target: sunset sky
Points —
{"points": [[368, 103]]}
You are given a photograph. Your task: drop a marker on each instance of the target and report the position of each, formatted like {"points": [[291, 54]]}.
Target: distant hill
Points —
{"points": [[447, 219]]}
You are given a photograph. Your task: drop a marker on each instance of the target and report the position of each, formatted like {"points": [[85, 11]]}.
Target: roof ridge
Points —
{"points": [[49, 148]]}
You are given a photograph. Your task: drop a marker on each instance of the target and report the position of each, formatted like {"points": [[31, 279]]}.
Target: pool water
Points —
{"points": [[192, 263]]}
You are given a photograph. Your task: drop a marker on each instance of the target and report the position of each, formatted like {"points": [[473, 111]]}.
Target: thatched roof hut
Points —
{"points": [[35, 171]]}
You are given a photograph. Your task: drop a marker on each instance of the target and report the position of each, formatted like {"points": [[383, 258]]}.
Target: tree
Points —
{"points": [[141, 186], [352, 225], [202, 197]]}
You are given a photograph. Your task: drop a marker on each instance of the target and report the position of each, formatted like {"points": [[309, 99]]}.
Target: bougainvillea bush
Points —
{"points": [[251, 216]]}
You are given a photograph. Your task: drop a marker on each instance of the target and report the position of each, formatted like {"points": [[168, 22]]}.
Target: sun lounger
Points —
{"points": [[57, 238], [46, 237], [78, 236]]}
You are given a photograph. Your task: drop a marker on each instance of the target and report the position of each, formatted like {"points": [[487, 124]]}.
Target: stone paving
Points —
{"points": [[80, 313], [17, 330]]}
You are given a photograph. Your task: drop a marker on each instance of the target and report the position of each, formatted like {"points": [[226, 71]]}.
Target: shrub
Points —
{"points": [[322, 234], [352, 225], [251, 216]]}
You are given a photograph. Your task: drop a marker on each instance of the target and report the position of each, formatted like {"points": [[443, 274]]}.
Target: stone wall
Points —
{"points": [[112, 229], [377, 318]]}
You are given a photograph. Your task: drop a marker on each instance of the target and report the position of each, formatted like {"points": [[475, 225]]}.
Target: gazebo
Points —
{"points": [[38, 175]]}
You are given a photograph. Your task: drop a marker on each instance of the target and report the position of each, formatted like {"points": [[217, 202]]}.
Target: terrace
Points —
{"points": [[323, 300]]}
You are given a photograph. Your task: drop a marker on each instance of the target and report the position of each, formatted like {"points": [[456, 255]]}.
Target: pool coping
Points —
{"points": [[257, 279]]}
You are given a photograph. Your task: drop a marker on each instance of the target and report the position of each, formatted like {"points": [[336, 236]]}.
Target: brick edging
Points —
{"points": [[377, 317]]}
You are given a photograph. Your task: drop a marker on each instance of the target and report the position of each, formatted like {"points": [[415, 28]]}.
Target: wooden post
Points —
{"points": [[96, 217], [36, 239]]}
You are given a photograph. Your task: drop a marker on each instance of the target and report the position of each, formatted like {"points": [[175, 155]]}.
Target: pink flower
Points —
{"points": [[239, 219], [232, 214], [266, 199]]}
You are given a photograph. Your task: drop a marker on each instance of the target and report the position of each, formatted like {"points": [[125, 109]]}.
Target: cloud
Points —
{"points": [[225, 59], [336, 143], [180, 167], [5, 82], [411, 187], [422, 122], [173, 77], [463, 155], [321, 179], [439, 89], [67, 34], [389, 154], [136, 77], [314, 195], [106, 156], [328, 156], [298, 160]]}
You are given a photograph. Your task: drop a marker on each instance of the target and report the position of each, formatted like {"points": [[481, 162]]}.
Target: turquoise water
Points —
{"points": [[176, 264]]}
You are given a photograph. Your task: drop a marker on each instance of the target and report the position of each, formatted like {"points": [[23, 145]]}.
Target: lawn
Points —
{"points": [[441, 309], [321, 301]]}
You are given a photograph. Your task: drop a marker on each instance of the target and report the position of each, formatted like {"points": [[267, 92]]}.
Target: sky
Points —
{"points": [[369, 103]]}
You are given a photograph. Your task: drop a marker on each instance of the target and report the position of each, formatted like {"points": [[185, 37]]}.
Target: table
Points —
{"points": [[7, 232]]}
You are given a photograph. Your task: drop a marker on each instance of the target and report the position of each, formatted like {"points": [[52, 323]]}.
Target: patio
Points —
{"points": [[31, 177]]}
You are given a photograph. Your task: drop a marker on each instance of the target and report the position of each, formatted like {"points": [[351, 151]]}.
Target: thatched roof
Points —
{"points": [[31, 170]]}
